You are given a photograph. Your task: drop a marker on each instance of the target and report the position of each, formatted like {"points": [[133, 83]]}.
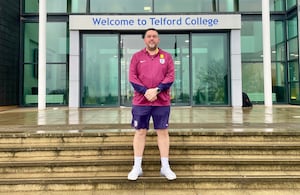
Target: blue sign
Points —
{"points": [[128, 22]]}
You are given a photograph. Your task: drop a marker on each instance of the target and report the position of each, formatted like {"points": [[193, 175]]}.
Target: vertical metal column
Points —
{"points": [[42, 55], [267, 53]]}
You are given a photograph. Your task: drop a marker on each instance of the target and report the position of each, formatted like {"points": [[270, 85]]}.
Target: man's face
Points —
{"points": [[151, 40]]}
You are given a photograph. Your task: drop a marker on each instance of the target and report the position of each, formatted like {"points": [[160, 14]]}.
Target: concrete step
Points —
{"points": [[45, 162], [186, 135], [184, 166], [21, 152], [279, 182]]}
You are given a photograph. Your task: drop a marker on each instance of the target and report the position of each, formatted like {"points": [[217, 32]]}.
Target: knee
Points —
{"points": [[162, 133], [141, 133]]}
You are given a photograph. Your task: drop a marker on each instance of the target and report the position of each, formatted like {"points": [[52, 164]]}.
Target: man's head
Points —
{"points": [[151, 39]]}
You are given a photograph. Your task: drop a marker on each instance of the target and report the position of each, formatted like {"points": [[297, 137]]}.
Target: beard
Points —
{"points": [[152, 46]]}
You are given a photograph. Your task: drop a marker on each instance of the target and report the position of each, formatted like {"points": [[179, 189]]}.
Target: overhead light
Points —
{"points": [[147, 8]]}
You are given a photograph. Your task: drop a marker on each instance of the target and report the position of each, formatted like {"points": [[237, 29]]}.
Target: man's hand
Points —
{"points": [[151, 94]]}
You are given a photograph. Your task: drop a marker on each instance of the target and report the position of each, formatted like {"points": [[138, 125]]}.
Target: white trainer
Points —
{"points": [[168, 173], [135, 173]]}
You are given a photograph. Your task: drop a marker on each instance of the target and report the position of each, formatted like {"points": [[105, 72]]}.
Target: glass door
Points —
{"points": [[129, 44], [210, 67], [177, 45], [99, 70]]}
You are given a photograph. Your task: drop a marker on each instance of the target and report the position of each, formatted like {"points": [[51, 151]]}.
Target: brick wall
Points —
{"points": [[9, 52]]}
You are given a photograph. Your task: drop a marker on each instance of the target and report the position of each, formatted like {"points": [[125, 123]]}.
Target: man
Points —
{"points": [[151, 74]]}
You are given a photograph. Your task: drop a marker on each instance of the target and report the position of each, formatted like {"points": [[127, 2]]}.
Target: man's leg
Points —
{"points": [[163, 141], [139, 142]]}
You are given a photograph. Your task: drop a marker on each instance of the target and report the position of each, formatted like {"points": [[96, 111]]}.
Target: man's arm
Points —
{"points": [[133, 76]]}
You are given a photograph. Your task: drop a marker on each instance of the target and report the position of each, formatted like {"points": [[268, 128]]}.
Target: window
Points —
{"points": [[187, 6], [210, 69], [120, 6], [53, 6], [79, 6], [56, 68], [250, 5]]}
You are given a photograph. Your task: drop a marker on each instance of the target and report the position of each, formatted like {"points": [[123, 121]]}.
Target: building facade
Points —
{"points": [[9, 52], [217, 46]]}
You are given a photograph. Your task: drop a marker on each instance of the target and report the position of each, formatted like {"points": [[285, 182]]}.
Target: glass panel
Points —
{"points": [[79, 6], [57, 6], [293, 71], [31, 36], [278, 82], [56, 74], [253, 81], [129, 45], [277, 41], [57, 82], [290, 4], [227, 5], [30, 84], [295, 95], [277, 5], [57, 42], [292, 27], [53, 6], [251, 41], [293, 49], [31, 6], [120, 6], [100, 85], [184, 6], [30, 87], [178, 46], [250, 5], [210, 69]]}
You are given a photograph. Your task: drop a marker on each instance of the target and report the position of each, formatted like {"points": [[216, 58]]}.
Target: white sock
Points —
{"points": [[138, 161], [164, 162]]}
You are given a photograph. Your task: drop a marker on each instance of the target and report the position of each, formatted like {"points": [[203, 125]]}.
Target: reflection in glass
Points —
{"points": [[251, 41], [293, 49], [79, 6], [293, 71], [178, 46], [99, 70], [210, 69], [294, 93], [120, 6], [57, 40], [164, 6], [56, 73], [253, 80], [250, 5], [290, 4], [129, 44], [278, 82], [228, 5], [53, 6], [277, 41], [277, 5], [292, 27]]}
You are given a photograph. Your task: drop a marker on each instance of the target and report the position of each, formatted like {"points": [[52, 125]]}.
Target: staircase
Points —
{"points": [[206, 161]]}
